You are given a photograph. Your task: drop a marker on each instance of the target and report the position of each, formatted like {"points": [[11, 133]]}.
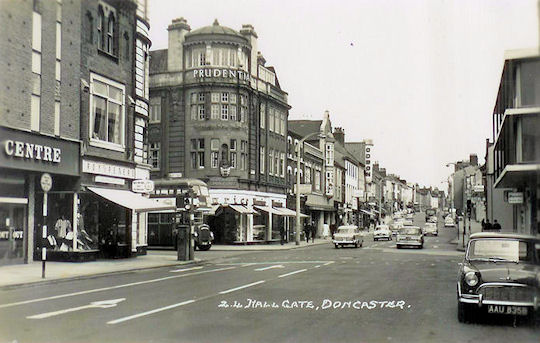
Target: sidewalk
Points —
{"points": [[30, 273], [474, 228]]}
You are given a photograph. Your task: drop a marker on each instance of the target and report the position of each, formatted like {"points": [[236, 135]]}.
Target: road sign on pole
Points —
{"points": [[46, 185]]}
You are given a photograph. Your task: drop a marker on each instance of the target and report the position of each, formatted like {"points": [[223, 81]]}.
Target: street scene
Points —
{"points": [[371, 294], [269, 171]]}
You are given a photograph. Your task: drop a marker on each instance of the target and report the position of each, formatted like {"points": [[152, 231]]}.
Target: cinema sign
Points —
{"points": [[221, 73]]}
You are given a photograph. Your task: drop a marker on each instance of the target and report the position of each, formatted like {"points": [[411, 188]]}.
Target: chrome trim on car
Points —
{"points": [[479, 299]]}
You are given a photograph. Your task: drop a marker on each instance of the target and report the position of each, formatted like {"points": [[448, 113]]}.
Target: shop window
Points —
{"points": [[107, 113]]}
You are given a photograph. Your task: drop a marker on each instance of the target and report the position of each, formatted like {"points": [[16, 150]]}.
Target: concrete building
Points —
{"points": [[514, 158], [219, 114]]}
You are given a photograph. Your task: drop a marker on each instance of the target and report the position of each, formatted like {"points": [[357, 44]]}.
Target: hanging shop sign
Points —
{"points": [[515, 197], [142, 186], [107, 169], [30, 151]]}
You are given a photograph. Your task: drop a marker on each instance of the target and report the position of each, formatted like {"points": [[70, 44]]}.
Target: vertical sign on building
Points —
{"points": [[369, 163]]}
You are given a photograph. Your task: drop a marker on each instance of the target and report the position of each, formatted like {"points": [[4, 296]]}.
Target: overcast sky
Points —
{"points": [[418, 77]]}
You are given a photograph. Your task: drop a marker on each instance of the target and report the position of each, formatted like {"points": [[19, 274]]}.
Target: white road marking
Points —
{"points": [[120, 320], [270, 267], [184, 270], [436, 247], [291, 273], [95, 304], [328, 263], [270, 262], [319, 266], [242, 287], [111, 287]]}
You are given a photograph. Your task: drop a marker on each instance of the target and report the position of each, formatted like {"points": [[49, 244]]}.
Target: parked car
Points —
{"points": [[407, 222], [431, 229], [409, 216], [203, 237], [432, 219], [348, 235], [410, 236], [382, 232], [449, 222], [500, 274]]}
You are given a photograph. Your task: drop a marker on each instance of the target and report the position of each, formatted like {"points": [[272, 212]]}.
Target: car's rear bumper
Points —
{"points": [[346, 242], [409, 243]]}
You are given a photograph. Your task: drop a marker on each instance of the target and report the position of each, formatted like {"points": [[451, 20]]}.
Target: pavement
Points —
{"points": [[472, 226], [24, 274]]}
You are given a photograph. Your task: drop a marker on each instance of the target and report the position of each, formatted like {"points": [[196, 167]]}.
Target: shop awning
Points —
{"points": [[288, 212], [213, 210], [243, 209], [367, 212], [128, 199], [269, 210]]}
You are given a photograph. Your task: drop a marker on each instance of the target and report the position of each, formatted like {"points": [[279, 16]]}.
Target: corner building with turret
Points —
{"points": [[218, 114]]}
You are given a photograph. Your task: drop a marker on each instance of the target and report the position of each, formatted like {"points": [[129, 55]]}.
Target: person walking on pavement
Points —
{"points": [[496, 226], [306, 232], [282, 234], [488, 226], [313, 230]]}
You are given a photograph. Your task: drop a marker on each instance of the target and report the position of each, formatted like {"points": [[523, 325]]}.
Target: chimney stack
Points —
{"points": [[177, 32], [339, 135]]}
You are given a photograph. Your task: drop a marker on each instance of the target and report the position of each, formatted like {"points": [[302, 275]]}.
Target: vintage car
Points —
{"points": [[430, 229], [500, 274], [395, 227], [449, 222], [432, 219], [203, 237], [382, 232], [410, 236], [348, 235]]}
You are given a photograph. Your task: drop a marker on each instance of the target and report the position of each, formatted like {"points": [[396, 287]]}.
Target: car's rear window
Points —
{"points": [[508, 249], [346, 230], [410, 231]]}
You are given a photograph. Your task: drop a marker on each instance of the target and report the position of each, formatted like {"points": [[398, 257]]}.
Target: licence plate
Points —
{"points": [[204, 243], [506, 309]]}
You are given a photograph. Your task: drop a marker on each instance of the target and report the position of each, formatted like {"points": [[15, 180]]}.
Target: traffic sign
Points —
{"points": [[46, 182]]}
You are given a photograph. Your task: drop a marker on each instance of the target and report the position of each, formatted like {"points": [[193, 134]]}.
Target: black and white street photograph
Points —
{"points": [[273, 171]]}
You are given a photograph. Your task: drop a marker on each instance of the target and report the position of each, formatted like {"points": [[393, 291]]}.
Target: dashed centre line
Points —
{"points": [[138, 315], [242, 287], [292, 273]]}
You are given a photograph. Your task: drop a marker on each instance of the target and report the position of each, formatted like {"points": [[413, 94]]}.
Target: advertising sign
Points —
{"points": [[515, 197], [142, 186]]}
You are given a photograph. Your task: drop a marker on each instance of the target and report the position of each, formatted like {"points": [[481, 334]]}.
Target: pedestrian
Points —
{"points": [[282, 234], [483, 224], [488, 226], [496, 226], [313, 231], [306, 232]]}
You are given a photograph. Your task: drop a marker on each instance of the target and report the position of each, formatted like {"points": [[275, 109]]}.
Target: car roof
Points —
{"points": [[503, 235], [348, 227], [410, 227]]}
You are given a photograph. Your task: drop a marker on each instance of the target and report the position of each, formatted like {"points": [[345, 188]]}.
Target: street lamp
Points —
{"points": [[300, 143]]}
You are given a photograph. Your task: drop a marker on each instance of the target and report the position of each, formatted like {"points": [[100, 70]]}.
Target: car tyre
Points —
{"points": [[337, 246], [464, 313], [398, 246], [204, 247]]}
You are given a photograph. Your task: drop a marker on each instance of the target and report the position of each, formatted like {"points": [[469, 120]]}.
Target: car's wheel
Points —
{"points": [[464, 313], [204, 247], [356, 245], [337, 246], [398, 246], [421, 246]]}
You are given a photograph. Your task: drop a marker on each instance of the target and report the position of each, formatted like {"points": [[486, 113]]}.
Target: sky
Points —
{"points": [[418, 77]]}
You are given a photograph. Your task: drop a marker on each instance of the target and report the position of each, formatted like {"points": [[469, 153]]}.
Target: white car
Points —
{"points": [[410, 236], [382, 232], [449, 222], [348, 235], [431, 229]]}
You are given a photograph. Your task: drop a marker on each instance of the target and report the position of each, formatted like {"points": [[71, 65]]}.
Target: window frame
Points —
{"points": [[98, 142]]}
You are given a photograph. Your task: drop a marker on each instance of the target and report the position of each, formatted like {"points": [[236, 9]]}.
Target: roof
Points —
{"points": [[304, 127], [502, 235], [215, 29], [158, 60]]}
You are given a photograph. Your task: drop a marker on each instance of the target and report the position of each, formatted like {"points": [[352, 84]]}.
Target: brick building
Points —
{"points": [[218, 114], [74, 105]]}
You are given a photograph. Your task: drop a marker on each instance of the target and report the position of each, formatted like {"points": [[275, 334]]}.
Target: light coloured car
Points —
{"points": [[382, 232], [407, 222], [431, 229], [449, 222], [348, 235], [410, 236], [432, 219], [409, 216]]}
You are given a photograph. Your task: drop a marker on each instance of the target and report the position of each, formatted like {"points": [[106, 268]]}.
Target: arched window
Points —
{"points": [[110, 34], [100, 27]]}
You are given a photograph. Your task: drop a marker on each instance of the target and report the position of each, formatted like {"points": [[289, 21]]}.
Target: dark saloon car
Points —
{"points": [[500, 274]]}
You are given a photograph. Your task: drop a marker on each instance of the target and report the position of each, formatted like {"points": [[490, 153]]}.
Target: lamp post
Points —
{"points": [[300, 143]]}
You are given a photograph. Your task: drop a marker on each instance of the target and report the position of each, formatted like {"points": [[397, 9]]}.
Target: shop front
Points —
{"points": [[24, 158], [112, 217]]}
